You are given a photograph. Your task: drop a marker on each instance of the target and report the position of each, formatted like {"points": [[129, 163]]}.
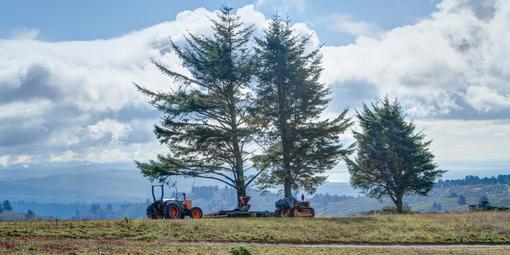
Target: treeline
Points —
{"points": [[475, 180], [9, 214]]}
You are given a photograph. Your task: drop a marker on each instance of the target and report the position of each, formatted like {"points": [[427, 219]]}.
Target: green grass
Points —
{"points": [[157, 235]]}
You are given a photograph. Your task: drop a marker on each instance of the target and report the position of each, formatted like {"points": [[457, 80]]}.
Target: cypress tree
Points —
{"points": [[298, 147], [392, 159], [205, 119]]}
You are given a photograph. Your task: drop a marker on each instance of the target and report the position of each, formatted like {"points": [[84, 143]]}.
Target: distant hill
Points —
{"points": [[18, 216], [67, 190]]}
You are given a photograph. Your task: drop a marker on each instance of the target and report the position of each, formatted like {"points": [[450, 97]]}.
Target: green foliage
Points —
{"points": [[239, 250], [205, 118], [29, 215], [298, 147], [392, 158]]}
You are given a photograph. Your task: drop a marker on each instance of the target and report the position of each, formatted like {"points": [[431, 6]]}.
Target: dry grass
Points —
{"points": [[163, 236]]}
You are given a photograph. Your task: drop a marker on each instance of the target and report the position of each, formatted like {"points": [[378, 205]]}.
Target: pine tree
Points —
{"points": [[392, 158], [298, 147], [7, 206], [205, 119], [30, 215]]}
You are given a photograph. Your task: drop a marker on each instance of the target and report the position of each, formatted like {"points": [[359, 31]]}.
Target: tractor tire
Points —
{"points": [[293, 212], [150, 212], [172, 211], [153, 211], [285, 213], [195, 213]]}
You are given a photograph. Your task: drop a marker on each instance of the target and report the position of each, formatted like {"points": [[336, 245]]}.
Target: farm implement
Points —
{"points": [[240, 212], [287, 207]]}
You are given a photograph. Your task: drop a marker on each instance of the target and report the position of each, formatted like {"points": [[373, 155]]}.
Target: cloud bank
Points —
{"points": [[74, 100]]}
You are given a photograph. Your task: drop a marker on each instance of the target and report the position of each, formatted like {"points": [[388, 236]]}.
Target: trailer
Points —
{"points": [[287, 207]]}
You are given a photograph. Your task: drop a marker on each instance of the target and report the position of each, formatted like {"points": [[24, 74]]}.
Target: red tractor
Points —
{"points": [[172, 208]]}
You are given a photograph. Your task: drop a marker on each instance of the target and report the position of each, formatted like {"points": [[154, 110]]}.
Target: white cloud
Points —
{"points": [[468, 139], [486, 99], [75, 99], [457, 58], [282, 7], [29, 109], [346, 24], [23, 34], [117, 130], [4, 160]]}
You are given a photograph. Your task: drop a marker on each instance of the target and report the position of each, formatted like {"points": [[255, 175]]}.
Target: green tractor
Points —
{"points": [[172, 208]]}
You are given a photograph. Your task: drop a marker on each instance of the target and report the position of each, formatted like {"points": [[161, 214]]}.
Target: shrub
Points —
{"points": [[239, 250]]}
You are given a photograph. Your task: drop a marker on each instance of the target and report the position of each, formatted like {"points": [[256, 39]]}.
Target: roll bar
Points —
{"points": [[162, 192]]}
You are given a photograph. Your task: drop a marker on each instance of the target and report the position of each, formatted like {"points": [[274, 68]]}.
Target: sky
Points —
{"points": [[67, 68]]}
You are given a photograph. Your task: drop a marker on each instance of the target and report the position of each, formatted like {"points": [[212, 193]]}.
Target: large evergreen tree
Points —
{"points": [[7, 206], [205, 119], [299, 147], [392, 159]]}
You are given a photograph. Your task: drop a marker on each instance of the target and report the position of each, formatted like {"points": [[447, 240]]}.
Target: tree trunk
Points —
{"points": [[241, 192], [400, 204], [287, 182], [285, 136], [238, 157]]}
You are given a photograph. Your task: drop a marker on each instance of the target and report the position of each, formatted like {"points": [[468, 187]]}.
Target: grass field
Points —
{"points": [[261, 235]]}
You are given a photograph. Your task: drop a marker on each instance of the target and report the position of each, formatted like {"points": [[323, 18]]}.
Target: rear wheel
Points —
{"points": [[155, 210], [172, 211], [151, 212], [293, 212], [195, 213], [285, 212]]}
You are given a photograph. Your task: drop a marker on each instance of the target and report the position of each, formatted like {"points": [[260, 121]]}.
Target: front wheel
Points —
{"points": [[195, 213]]}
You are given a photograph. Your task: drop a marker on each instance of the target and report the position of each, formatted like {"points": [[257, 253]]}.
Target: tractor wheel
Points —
{"points": [[154, 211], [293, 212], [172, 211], [195, 213], [151, 212], [285, 213]]}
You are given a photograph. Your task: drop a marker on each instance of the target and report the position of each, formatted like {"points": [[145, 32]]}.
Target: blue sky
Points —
{"points": [[67, 67], [62, 20]]}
